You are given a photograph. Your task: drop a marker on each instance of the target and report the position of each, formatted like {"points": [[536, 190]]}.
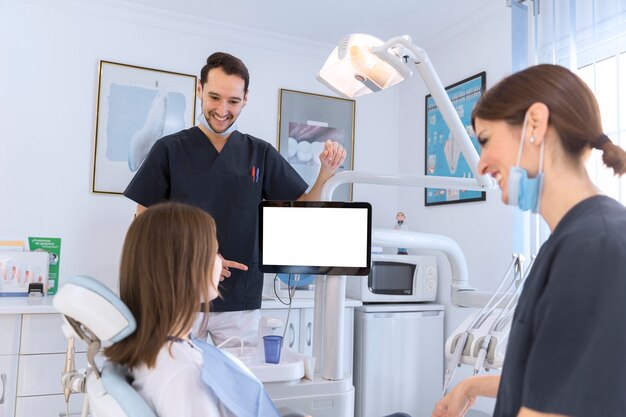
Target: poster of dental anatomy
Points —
{"points": [[136, 106], [443, 153], [306, 121]]}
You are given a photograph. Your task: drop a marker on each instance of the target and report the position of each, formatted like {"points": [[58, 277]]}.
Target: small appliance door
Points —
{"points": [[392, 279], [398, 363]]}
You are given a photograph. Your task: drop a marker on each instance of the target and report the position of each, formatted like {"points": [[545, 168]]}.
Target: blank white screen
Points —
{"points": [[315, 236]]}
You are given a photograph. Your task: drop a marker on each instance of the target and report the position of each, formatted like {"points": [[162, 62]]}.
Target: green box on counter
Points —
{"points": [[52, 245]]}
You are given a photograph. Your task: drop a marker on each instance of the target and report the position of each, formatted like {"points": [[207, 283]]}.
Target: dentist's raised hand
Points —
{"points": [[332, 156]]}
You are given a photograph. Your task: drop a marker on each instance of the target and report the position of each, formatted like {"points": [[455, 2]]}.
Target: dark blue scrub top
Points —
{"points": [[186, 167], [566, 349]]}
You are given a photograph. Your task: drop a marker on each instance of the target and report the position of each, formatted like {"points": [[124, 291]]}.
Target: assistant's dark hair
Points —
{"points": [[574, 111], [231, 65]]}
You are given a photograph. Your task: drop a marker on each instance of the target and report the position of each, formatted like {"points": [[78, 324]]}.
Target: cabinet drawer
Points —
{"points": [[41, 333], [8, 384], [48, 406], [41, 374], [10, 331]]}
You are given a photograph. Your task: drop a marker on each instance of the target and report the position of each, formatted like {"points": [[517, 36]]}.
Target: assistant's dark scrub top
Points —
{"points": [[566, 352], [186, 167]]}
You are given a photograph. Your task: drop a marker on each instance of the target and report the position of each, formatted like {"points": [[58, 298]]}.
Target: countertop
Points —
{"points": [[43, 305], [26, 305], [272, 302]]}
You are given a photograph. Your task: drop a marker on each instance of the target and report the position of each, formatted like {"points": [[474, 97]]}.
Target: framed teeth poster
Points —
{"points": [[443, 154], [305, 122]]}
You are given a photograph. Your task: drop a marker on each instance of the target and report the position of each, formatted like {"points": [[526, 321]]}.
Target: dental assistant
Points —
{"points": [[565, 353], [226, 173]]}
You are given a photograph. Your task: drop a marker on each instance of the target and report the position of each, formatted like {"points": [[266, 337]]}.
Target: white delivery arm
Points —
{"points": [[330, 291]]}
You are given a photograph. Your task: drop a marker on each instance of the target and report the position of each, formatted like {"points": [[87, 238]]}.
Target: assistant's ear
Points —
{"points": [[245, 99], [538, 117]]}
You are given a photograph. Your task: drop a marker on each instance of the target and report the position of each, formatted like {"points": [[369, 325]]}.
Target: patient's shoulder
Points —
{"points": [[174, 386]]}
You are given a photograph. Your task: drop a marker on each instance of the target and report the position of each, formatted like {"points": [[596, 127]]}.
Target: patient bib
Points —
{"points": [[236, 390]]}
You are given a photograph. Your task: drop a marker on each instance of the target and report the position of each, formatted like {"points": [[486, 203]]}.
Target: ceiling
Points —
{"points": [[327, 21]]}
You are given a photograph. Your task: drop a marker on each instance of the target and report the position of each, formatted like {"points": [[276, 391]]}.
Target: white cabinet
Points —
{"points": [[41, 333], [398, 363], [10, 331], [9, 349], [299, 335], [8, 384], [48, 406], [32, 357], [41, 374]]}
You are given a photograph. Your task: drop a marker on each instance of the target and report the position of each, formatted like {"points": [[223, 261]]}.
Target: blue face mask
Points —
{"points": [[202, 120], [525, 192]]}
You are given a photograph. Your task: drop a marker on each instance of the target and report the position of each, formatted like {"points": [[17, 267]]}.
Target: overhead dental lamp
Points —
{"points": [[363, 64]]}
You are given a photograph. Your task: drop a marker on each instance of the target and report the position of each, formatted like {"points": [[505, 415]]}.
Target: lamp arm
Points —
{"points": [[436, 88], [427, 181], [462, 294], [428, 241]]}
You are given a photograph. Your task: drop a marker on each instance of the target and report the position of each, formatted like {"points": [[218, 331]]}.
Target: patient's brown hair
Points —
{"points": [[165, 270]]}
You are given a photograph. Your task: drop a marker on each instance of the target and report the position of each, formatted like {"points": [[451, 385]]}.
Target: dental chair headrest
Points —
{"points": [[95, 306]]}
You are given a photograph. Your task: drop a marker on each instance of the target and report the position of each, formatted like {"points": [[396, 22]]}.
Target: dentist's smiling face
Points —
{"points": [[223, 98], [499, 144]]}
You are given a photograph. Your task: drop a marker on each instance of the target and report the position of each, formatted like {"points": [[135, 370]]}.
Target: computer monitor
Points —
{"points": [[321, 237]]}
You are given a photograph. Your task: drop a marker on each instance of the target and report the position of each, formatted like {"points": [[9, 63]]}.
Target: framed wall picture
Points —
{"points": [[305, 122], [135, 107], [443, 155]]}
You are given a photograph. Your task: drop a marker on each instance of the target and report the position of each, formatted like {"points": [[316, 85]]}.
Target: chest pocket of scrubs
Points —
{"points": [[248, 193]]}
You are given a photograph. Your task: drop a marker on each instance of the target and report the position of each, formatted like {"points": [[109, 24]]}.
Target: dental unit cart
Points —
{"points": [[327, 391]]}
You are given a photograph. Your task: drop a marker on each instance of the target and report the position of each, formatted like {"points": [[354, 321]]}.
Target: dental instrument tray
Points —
{"points": [[315, 237]]}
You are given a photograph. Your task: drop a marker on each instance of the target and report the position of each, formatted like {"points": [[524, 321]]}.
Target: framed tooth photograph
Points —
{"points": [[305, 122]]}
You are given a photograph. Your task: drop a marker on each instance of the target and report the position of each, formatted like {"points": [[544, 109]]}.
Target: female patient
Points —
{"points": [[169, 268]]}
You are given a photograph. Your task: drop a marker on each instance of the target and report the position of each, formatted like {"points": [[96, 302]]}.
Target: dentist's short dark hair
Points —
{"points": [[230, 64]]}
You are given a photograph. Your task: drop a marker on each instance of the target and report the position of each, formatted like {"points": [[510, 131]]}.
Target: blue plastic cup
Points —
{"points": [[272, 344]]}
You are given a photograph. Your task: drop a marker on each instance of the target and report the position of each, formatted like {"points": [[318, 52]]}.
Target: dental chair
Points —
{"points": [[93, 313]]}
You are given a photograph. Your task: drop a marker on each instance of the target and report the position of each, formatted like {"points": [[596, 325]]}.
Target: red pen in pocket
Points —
{"points": [[253, 173]]}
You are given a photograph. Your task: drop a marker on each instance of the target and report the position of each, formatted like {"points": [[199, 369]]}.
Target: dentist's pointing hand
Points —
{"points": [[226, 265]]}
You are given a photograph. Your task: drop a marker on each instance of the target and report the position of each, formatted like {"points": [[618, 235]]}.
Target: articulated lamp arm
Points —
{"points": [[436, 88]]}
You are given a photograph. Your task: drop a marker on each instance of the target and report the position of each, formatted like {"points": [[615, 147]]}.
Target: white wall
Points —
{"points": [[483, 230], [49, 55]]}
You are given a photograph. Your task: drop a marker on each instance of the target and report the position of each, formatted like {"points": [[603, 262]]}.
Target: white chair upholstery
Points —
{"points": [[98, 316]]}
